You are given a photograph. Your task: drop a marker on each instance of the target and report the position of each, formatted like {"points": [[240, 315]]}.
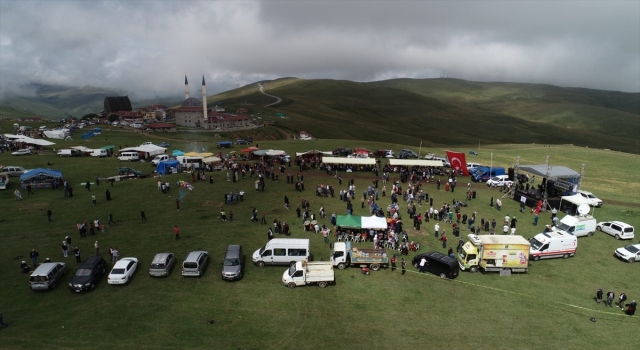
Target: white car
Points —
{"points": [[21, 152], [471, 166], [122, 271], [499, 181], [593, 200], [617, 229], [629, 253]]}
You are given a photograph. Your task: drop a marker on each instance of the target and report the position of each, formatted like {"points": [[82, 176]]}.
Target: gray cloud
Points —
{"points": [[145, 47]]}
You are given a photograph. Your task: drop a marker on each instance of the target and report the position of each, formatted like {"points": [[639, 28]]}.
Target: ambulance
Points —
{"points": [[554, 244]]}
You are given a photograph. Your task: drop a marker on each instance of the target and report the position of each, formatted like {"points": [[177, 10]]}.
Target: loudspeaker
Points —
{"points": [[551, 186], [512, 174]]}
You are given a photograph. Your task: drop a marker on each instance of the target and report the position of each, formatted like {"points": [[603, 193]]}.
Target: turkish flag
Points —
{"points": [[458, 162]]}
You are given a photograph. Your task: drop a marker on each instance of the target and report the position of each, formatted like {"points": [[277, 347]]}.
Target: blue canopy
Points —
{"points": [[177, 153], [164, 167], [97, 129], [42, 173]]}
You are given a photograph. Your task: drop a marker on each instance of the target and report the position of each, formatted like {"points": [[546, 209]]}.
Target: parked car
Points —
{"points": [[232, 266], [88, 273], [122, 271], [593, 200], [21, 152], [46, 275], [242, 142], [629, 253], [438, 264], [499, 181], [195, 263], [617, 229], [164, 144], [342, 151], [471, 166], [15, 171], [161, 264], [407, 153]]}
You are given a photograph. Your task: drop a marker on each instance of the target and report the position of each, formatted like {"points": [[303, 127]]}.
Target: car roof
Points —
{"points": [[45, 267], [195, 254], [123, 262], [160, 258], [623, 224]]}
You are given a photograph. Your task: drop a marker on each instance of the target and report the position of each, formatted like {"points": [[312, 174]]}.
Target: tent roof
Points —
{"points": [[314, 151], [374, 222], [151, 149], [344, 160], [108, 147], [41, 171], [351, 221], [211, 160], [275, 152], [22, 138], [414, 162], [575, 199], [250, 149], [556, 171]]}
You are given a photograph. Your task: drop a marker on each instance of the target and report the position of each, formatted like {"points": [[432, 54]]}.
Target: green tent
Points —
{"points": [[349, 221], [107, 147]]}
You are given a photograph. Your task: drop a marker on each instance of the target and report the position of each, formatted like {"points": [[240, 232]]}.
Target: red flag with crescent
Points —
{"points": [[458, 162]]}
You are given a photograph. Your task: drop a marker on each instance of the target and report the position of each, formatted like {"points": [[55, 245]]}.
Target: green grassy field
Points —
{"points": [[549, 307]]}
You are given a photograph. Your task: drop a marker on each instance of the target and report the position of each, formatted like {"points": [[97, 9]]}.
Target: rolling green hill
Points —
{"points": [[444, 111]]}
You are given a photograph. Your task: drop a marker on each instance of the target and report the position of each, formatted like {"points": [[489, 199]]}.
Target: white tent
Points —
{"points": [[56, 134], [211, 160], [153, 150], [374, 222], [414, 162], [275, 152], [343, 160]]}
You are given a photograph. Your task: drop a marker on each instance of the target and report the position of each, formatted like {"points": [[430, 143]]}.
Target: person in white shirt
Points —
{"points": [[513, 231], [436, 228], [423, 262], [505, 229]]}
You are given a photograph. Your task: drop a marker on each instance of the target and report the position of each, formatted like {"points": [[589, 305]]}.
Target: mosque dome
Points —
{"points": [[192, 102]]}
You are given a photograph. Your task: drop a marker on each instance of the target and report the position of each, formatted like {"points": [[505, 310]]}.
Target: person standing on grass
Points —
{"points": [[499, 204], [2, 320], [108, 193], [423, 263], [76, 252], [111, 219], [621, 299], [223, 214], [505, 229], [513, 222], [143, 216], [95, 245], [34, 257], [404, 266], [286, 202], [49, 215], [93, 199], [393, 263], [443, 238], [264, 219], [436, 228], [178, 204], [535, 219], [65, 249], [610, 297], [176, 231], [115, 254]]}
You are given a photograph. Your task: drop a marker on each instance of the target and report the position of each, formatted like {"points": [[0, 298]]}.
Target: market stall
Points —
{"points": [[40, 178]]}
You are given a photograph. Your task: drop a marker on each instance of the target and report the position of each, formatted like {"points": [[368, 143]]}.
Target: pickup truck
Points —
{"points": [[303, 273], [343, 255]]}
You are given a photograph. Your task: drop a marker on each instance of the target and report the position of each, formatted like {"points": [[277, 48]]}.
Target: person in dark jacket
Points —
{"points": [[631, 309], [599, 295]]}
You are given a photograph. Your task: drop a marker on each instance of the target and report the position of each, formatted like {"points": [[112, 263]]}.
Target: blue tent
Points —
{"points": [[177, 153], [39, 178], [97, 129], [164, 167], [88, 135]]}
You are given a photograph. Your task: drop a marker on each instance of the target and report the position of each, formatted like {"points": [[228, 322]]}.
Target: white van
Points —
{"points": [[282, 251], [128, 156], [553, 244], [69, 153], [99, 153], [578, 225], [188, 162]]}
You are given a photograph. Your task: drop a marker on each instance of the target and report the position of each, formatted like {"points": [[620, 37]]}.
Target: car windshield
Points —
{"points": [[564, 227], [231, 262], [535, 244], [292, 270], [463, 254], [591, 196], [83, 272], [631, 249], [117, 271], [262, 250]]}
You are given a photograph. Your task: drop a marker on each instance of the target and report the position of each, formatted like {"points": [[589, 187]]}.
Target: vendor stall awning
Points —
{"points": [[151, 149], [349, 221], [57, 174], [211, 160], [414, 162], [313, 151], [108, 147], [342, 160], [373, 222]]}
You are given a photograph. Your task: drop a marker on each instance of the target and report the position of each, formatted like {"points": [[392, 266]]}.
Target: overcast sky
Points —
{"points": [[146, 48]]}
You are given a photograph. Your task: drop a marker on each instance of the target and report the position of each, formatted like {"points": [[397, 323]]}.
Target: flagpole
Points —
{"points": [[491, 166], [420, 151]]}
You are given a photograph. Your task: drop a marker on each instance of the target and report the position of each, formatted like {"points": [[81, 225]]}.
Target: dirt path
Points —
{"points": [[278, 99]]}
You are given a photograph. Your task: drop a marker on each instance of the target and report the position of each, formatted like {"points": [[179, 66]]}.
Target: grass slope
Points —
{"points": [[548, 308]]}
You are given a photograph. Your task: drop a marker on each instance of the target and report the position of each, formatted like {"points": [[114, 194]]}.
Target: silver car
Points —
{"points": [[46, 275], [195, 263], [232, 265], [161, 264]]}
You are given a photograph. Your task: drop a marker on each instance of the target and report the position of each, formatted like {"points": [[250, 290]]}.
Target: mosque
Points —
{"points": [[195, 113]]}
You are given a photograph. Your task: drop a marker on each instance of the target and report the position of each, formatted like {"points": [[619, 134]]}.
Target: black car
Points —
{"points": [[342, 151], [243, 142], [438, 264], [87, 274], [407, 153]]}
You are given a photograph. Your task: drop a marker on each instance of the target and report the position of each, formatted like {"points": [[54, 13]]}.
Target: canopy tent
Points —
{"points": [[165, 166], [275, 152], [152, 150], [39, 178], [570, 204], [177, 153], [108, 147], [312, 152], [349, 221], [56, 134], [342, 160], [556, 171], [414, 162], [196, 154], [29, 140], [260, 153], [211, 160], [250, 149], [374, 222]]}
